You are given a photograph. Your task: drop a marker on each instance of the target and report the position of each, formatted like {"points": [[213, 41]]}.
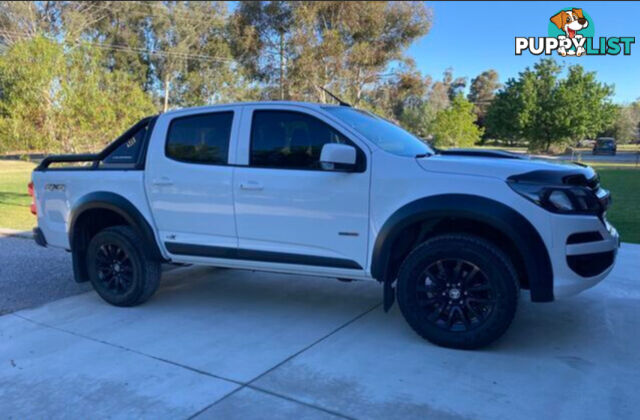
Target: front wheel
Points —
{"points": [[458, 291], [118, 268]]}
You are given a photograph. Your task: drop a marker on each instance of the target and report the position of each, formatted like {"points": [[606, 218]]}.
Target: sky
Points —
{"points": [[471, 37]]}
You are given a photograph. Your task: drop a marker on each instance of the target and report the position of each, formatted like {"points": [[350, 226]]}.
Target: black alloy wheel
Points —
{"points": [[455, 294], [119, 268], [115, 269], [458, 290]]}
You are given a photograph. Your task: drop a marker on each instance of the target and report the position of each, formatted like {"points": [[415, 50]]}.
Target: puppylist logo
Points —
{"points": [[571, 34]]}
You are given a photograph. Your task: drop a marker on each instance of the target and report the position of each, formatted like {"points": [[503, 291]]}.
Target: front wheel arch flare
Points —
{"points": [[470, 207]]}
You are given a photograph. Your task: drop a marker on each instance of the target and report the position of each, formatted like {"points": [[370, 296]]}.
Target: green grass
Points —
{"points": [[622, 181], [521, 149], [624, 213], [621, 148], [14, 199]]}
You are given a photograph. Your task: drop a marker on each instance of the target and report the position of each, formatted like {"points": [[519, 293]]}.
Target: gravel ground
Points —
{"points": [[31, 275]]}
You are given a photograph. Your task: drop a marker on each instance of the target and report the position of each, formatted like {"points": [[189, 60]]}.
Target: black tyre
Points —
{"points": [[118, 268], [458, 291]]}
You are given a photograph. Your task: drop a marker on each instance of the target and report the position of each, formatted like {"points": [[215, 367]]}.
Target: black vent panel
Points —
{"points": [[589, 265]]}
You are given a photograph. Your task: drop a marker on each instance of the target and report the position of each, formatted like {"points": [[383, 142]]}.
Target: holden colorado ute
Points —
{"points": [[329, 191]]}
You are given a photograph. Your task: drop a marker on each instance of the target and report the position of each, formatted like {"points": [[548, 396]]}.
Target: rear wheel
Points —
{"points": [[118, 268], [458, 291]]}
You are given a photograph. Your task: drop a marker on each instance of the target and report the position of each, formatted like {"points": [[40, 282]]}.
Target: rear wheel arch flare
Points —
{"points": [[99, 210]]}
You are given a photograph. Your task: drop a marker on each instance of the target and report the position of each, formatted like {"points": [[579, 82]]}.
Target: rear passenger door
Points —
{"points": [[189, 180], [290, 211]]}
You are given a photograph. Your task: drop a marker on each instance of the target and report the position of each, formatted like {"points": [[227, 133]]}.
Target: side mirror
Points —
{"points": [[336, 157]]}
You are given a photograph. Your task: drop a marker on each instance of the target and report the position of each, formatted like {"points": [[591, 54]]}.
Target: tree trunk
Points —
{"points": [[548, 144], [281, 65], [166, 93]]}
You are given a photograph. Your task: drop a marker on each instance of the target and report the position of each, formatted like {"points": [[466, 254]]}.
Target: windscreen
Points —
{"points": [[383, 133]]}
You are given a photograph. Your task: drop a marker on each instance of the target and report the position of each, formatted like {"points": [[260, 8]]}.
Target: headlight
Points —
{"points": [[559, 199]]}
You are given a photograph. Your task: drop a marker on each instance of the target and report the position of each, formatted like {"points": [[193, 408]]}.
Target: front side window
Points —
{"points": [[202, 138], [291, 140]]}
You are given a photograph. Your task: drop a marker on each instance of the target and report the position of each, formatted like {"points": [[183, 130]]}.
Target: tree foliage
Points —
{"points": [[75, 74], [455, 126], [59, 99], [627, 125], [296, 48], [506, 117], [481, 93], [545, 110]]}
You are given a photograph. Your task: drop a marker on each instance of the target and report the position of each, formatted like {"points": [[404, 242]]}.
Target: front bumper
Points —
{"points": [[585, 250]]}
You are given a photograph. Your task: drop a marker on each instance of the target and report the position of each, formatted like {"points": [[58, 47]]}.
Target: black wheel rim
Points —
{"points": [[115, 269], [455, 295]]}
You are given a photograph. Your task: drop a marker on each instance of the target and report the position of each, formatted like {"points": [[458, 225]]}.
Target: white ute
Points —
{"points": [[331, 191]]}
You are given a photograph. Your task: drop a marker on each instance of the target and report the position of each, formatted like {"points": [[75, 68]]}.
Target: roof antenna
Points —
{"points": [[340, 101]]}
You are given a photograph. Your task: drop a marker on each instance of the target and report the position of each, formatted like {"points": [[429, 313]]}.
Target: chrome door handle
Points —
{"points": [[251, 186], [162, 182]]}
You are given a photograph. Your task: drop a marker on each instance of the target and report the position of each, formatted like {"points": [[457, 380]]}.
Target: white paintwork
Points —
{"points": [[304, 211], [190, 203], [54, 206], [301, 211]]}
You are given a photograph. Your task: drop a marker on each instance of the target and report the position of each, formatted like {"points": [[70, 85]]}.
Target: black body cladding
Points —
{"points": [[253, 255]]}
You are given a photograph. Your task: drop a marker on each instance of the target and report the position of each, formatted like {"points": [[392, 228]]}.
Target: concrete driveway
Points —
{"points": [[236, 344]]}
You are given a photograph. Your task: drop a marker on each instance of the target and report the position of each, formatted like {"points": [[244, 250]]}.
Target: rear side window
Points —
{"points": [[202, 138], [291, 140]]}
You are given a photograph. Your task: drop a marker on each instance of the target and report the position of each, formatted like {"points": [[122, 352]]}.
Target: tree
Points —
{"points": [[296, 48], [481, 93], [627, 124], [455, 126], [585, 104], [122, 28], [25, 19], [419, 119], [506, 116], [262, 42], [57, 99], [404, 90], [194, 65], [545, 110]]}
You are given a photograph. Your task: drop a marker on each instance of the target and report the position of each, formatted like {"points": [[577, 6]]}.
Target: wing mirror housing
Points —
{"points": [[338, 157]]}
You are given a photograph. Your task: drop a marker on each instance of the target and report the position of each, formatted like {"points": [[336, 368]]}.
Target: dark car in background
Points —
{"points": [[605, 146]]}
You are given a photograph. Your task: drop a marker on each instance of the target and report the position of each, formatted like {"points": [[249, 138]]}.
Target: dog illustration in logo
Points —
{"points": [[570, 21]]}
